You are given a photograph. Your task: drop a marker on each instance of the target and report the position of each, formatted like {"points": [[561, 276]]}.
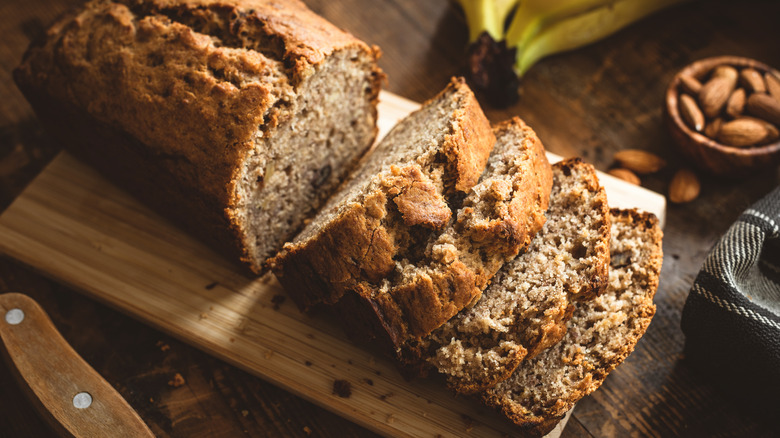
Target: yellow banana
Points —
{"points": [[585, 28], [499, 56], [486, 16], [533, 15]]}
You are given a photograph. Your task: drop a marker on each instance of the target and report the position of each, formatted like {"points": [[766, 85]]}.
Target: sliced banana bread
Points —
{"points": [[601, 333], [235, 118], [525, 308], [402, 248]]}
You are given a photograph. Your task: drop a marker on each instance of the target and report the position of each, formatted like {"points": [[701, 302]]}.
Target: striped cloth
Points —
{"points": [[731, 319]]}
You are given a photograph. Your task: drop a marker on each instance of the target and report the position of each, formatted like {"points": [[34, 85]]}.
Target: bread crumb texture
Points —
{"points": [[601, 332], [525, 308]]}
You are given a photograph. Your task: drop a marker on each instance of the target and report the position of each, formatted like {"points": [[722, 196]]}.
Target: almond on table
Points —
{"points": [[639, 161]]}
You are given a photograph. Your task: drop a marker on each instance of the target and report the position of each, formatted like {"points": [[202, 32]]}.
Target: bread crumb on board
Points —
{"points": [[342, 388], [176, 381]]}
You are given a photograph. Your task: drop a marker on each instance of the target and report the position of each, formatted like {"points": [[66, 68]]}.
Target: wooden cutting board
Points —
{"points": [[77, 228]]}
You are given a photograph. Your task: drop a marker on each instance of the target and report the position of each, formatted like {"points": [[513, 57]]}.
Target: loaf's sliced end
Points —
{"points": [[298, 164], [403, 190], [525, 308], [601, 333]]}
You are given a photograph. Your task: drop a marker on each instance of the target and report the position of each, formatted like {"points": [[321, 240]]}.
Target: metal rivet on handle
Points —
{"points": [[82, 400], [14, 316]]}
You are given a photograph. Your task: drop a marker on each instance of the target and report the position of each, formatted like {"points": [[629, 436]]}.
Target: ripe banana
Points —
{"points": [[538, 28], [486, 16], [575, 31]]}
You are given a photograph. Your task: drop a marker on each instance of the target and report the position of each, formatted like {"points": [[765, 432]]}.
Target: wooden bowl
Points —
{"points": [[704, 152]]}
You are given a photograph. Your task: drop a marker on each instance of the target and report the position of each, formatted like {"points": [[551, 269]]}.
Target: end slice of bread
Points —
{"points": [[601, 333], [526, 307]]}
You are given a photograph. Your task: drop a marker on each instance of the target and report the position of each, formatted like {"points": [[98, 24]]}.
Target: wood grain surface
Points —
{"points": [[590, 102], [81, 230]]}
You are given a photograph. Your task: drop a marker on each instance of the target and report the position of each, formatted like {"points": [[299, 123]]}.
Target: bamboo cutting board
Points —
{"points": [[83, 231]]}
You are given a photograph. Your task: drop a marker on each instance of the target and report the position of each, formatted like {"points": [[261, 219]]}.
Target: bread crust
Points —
{"points": [[183, 111]]}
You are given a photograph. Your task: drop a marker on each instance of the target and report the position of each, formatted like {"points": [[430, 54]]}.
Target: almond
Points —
{"points": [[741, 132], [736, 103], [725, 71], [685, 187], [713, 127], [690, 85], [772, 85], [639, 161], [625, 175], [764, 107], [752, 80], [715, 93], [773, 134], [691, 113]]}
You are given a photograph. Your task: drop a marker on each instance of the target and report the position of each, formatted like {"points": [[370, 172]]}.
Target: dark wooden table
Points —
{"points": [[591, 102]]}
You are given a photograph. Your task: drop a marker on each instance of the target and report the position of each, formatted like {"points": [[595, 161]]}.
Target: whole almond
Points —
{"points": [[625, 175], [764, 107], [725, 71], [736, 103], [741, 132], [773, 134], [712, 128], [772, 85], [752, 80], [691, 113], [684, 187], [715, 93], [639, 161], [690, 85]]}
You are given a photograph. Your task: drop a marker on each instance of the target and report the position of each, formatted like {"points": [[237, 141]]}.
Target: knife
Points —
{"points": [[67, 392]]}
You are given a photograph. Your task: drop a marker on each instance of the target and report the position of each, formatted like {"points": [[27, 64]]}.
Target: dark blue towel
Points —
{"points": [[731, 319]]}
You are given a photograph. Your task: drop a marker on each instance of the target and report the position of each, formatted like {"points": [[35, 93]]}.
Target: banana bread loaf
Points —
{"points": [[235, 118], [415, 237], [525, 308], [601, 333]]}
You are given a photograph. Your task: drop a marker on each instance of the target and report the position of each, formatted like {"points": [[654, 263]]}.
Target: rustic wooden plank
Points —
{"points": [[87, 233]]}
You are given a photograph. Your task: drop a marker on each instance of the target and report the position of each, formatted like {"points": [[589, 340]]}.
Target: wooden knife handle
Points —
{"points": [[68, 392]]}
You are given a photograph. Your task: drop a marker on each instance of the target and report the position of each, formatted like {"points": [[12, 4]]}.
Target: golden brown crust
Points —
{"points": [[187, 97], [465, 151]]}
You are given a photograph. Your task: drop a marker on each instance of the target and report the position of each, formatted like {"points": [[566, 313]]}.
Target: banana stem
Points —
{"points": [[585, 28]]}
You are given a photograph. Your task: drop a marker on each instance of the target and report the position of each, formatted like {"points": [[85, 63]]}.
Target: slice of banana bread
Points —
{"points": [[525, 308], [235, 118], [601, 333], [402, 248]]}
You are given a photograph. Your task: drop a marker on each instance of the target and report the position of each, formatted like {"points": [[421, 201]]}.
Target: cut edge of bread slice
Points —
{"points": [[601, 333], [525, 308]]}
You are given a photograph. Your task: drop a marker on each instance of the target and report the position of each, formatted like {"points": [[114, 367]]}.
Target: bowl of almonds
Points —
{"points": [[724, 112]]}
